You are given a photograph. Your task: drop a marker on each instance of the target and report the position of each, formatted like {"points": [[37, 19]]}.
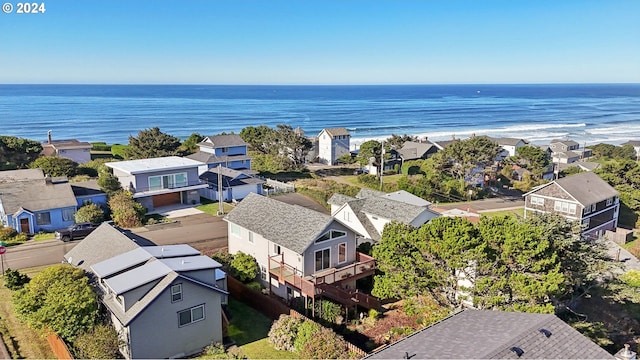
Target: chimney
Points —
{"points": [[49, 136], [625, 354]]}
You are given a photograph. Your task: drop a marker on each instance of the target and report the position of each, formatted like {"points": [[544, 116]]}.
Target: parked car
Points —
{"points": [[76, 231], [360, 172]]}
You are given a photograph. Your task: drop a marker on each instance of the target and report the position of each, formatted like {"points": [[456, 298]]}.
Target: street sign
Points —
{"points": [[3, 250]]}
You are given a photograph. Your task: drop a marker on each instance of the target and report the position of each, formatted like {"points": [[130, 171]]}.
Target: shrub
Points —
{"points": [[307, 331], [90, 213], [223, 258], [14, 280], [125, 211], [631, 278], [326, 344], [328, 311], [244, 267], [254, 285], [17, 239], [283, 332], [7, 233], [55, 166], [214, 351], [101, 342]]}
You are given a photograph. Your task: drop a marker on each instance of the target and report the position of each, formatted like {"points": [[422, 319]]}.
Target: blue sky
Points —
{"points": [[322, 42]]}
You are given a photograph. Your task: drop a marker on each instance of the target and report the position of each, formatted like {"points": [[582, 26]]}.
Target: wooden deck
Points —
{"points": [[327, 283]]}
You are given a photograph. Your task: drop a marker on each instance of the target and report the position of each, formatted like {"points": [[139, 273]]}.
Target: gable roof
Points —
{"points": [[333, 132], [415, 150], [230, 177], [291, 226], [564, 142], [67, 144], [105, 242], [508, 141], [29, 189], [86, 188], [407, 198], [485, 334], [586, 188], [632, 143], [219, 141], [208, 158], [166, 163]]}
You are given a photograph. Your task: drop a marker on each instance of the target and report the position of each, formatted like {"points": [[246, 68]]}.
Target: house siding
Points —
{"points": [[350, 239], [154, 324], [79, 156], [100, 199], [131, 297], [330, 149]]}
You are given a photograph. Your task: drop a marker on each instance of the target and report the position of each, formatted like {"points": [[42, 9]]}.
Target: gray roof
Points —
{"points": [[565, 142], [339, 199], [103, 243], [291, 226], [632, 143], [218, 141], [137, 277], [584, 165], [509, 141], [27, 189], [407, 198], [68, 144], [208, 158], [484, 334], [391, 209], [367, 193], [86, 188], [415, 150], [230, 177], [335, 131], [587, 188]]}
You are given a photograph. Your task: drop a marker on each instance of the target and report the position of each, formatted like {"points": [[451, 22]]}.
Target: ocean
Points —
{"points": [[587, 113]]}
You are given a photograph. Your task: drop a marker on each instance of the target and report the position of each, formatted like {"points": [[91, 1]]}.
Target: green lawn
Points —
{"points": [[211, 207], [44, 236], [249, 329]]}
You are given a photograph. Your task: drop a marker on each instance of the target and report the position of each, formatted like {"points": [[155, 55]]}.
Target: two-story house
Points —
{"points": [[332, 144], [301, 252], [164, 301], [510, 145], [371, 210], [31, 202], [583, 197], [72, 149], [160, 181], [228, 151], [567, 151]]}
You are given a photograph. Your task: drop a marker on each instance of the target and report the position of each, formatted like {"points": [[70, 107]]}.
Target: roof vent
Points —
{"points": [[545, 332], [517, 350]]}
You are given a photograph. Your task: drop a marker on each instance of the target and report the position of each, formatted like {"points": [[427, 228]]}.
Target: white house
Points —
{"points": [[332, 144], [72, 149]]}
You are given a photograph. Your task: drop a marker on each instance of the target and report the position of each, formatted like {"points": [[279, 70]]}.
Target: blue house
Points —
{"points": [[89, 192], [31, 202], [230, 151]]}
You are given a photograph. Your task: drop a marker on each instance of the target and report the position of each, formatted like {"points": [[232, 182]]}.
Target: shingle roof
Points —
{"points": [[391, 209], [291, 226], [336, 131], [509, 141], [587, 188], [208, 158], [483, 334], [632, 143], [68, 144], [367, 193], [565, 142], [103, 243], [28, 189], [230, 177], [414, 150], [407, 198], [84, 188], [218, 141], [339, 199]]}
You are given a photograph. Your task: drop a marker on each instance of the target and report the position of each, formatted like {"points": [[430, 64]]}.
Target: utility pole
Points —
{"points": [[221, 206], [381, 165]]}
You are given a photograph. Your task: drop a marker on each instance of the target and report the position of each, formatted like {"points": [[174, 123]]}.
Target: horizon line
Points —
{"points": [[337, 84]]}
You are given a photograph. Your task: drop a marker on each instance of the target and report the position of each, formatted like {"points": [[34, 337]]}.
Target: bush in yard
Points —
{"points": [[283, 332], [91, 213], [60, 299], [101, 342], [7, 233], [244, 267], [306, 331], [224, 258], [55, 166], [254, 285], [327, 311], [14, 280], [326, 344], [125, 211]]}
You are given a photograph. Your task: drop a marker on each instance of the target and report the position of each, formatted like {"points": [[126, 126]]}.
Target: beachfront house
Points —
{"points": [[486, 334], [164, 301], [583, 197], [332, 144], [371, 210], [72, 149], [227, 150], [158, 182], [31, 202], [417, 150], [567, 151], [301, 252]]}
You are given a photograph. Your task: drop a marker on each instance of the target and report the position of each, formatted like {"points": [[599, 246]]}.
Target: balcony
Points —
{"points": [[326, 282]]}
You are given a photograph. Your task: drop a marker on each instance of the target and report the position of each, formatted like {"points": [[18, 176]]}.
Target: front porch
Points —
{"points": [[328, 282]]}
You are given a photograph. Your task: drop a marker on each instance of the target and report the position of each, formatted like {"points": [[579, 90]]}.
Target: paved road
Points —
{"points": [[484, 205]]}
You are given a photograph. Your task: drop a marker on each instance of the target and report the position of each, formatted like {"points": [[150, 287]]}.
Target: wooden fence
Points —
{"points": [[59, 347], [271, 307]]}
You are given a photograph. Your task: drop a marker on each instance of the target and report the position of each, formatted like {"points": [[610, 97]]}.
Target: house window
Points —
{"points": [[589, 209], [565, 207], [235, 229], [342, 252], [263, 272], [586, 222], [190, 316], [176, 293], [322, 259], [537, 200], [330, 235], [67, 214], [609, 201], [170, 181], [276, 249], [251, 237], [224, 150], [43, 218]]}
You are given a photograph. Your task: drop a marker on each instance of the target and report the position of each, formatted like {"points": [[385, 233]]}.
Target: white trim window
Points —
{"points": [[251, 237], [537, 200], [331, 235], [342, 252], [589, 209], [564, 207], [68, 214], [263, 272], [43, 218], [190, 316], [170, 181], [586, 222], [235, 229], [176, 293], [323, 259]]}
